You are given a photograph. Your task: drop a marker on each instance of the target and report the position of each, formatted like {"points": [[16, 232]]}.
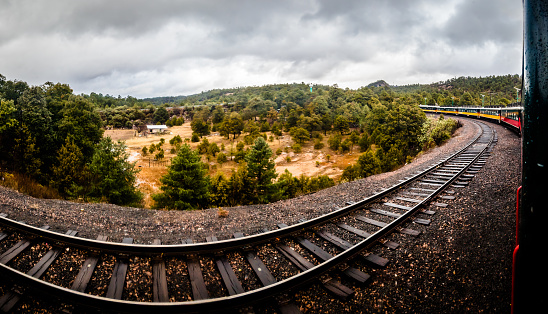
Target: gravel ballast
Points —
{"points": [[461, 262]]}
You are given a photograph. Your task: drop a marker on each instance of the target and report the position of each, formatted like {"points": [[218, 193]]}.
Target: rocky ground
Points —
{"points": [[461, 262]]}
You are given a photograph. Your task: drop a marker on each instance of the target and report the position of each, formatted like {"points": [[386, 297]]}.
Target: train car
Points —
{"points": [[530, 272], [510, 117]]}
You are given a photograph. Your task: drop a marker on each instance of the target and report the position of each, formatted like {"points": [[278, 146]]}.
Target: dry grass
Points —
{"points": [[222, 213], [28, 186]]}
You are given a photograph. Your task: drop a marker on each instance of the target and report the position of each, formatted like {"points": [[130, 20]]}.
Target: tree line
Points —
{"points": [[55, 137]]}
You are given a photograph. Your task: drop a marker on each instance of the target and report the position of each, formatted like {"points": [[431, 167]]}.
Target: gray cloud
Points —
{"points": [[480, 22], [149, 48]]}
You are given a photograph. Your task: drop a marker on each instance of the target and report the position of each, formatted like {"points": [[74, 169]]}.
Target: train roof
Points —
{"points": [[476, 108]]}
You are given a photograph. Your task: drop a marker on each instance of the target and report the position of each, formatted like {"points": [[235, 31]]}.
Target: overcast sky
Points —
{"points": [[169, 48]]}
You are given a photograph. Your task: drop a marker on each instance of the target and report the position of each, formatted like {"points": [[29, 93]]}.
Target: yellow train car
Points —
{"points": [[509, 116]]}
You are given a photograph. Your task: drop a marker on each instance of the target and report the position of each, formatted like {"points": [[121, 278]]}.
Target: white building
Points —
{"points": [[157, 128]]}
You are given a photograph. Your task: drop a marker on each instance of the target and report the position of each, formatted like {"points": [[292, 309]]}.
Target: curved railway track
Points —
{"points": [[315, 250]]}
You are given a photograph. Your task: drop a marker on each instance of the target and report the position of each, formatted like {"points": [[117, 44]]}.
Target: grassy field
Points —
{"points": [[310, 162]]}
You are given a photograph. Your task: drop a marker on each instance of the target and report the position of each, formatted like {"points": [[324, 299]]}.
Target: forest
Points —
{"points": [[52, 143]]}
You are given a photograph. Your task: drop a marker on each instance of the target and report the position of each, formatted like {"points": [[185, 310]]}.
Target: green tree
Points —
{"points": [[326, 123], [261, 171], [345, 145], [71, 170], [12, 90], [364, 142], [368, 164], [203, 146], [218, 115], [240, 152], [82, 123], [38, 120], [113, 176], [186, 184], [25, 153], [200, 127], [277, 129], [213, 149], [300, 135], [176, 140], [161, 115], [56, 96], [220, 191], [7, 123], [351, 173], [341, 124], [287, 185], [221, 158], [160, 154], [334, 141], [7, 120], [240, 187], [354, 139], [467, 100], [318, 144]]}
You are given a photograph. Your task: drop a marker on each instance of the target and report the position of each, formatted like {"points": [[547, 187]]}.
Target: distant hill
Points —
{"points": [[165, 100], [502, 86], [379, 83]]}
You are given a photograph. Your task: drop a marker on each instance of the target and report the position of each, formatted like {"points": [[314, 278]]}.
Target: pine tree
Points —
{"points": [[186, 185], [368, 164], [113, 176], [25, 153], [69, 174], [261, 171]]}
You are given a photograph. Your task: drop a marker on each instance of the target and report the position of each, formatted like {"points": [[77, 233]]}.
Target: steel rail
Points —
{"points": [[246, 298], [217, 246]]}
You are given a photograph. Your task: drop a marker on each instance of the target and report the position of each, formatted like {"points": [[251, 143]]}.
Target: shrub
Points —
{"points": [[159, 155], [176, 140], [334, 141], [351, 173], [213, 149], [299, 135], [203, 146], [364, 142], [436, 132], [221, 158], [318, 144], [346, 145]]}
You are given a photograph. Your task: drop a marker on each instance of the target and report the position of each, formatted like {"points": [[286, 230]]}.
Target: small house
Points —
{"points": [[161, 128]]}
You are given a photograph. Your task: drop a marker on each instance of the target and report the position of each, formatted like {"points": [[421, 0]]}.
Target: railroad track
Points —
{"points": [[278, 262]]}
